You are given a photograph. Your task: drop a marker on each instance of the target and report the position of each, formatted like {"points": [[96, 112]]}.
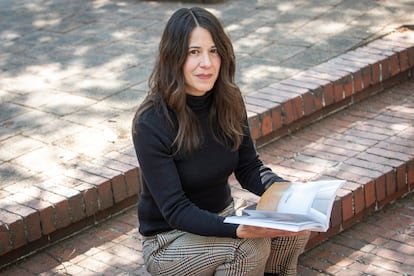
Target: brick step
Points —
{"points": [[50, 212], [311, 95], [369, 144]]}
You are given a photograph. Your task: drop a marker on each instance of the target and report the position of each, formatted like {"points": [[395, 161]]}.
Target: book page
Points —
{"points": [[284, 218], [293, 206], [289, 222], [288, 197], [318, 216], [323, 198]]}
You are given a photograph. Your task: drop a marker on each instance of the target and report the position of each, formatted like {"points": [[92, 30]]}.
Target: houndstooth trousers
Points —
{"points": [[180, 253]]}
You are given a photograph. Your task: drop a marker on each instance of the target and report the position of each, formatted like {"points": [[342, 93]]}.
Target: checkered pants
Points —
{"points": [[180, 253]]}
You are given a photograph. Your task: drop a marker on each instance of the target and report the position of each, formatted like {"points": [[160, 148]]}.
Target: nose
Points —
{"points": [[205, 60]]}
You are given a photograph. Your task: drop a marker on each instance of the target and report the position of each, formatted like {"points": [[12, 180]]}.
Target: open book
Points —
{"points": [[293, 206]]}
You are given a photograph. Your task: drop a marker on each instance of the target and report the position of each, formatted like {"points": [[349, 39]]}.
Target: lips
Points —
{"points": [[204, 76]]}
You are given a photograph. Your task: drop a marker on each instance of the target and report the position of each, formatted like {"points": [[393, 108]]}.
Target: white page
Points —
{"points": [[299, 206]]}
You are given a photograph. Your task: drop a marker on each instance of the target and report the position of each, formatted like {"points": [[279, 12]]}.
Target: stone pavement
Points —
{"points": [[72, 73], [382, 244]]}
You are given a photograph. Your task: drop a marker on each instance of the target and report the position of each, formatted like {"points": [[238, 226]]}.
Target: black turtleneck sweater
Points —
{"points": [[186, 192]]}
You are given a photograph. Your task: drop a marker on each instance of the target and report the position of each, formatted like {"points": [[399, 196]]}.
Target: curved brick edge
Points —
{"points": [[357, 201], [284, 107], [53, 210]]}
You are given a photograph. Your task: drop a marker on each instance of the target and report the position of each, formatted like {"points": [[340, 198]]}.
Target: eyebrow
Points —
{"points": [[198, 47]]}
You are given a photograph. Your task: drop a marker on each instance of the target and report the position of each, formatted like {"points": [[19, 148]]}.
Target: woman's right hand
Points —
{"points": [[253, 232]]}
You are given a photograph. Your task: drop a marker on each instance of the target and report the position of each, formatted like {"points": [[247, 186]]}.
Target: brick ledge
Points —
{"points": [[311, 95]]}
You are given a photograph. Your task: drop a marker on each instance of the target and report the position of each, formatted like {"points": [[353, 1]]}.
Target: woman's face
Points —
{"points": [[202, 65]]}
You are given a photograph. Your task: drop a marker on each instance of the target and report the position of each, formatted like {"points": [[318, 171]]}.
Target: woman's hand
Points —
{"points": [[253, 232]]}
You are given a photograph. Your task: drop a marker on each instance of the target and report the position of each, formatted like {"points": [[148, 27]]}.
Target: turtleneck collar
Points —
{"points": [[200, 104]]}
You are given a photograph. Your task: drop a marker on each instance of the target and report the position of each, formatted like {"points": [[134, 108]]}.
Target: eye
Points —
{"points": [[193, 52], [214, 51]]}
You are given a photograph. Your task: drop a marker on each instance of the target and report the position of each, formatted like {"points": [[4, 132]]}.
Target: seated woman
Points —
{"points": [[190, 134]]}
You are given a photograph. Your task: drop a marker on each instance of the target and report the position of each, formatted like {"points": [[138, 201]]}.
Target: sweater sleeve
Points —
{"points": [[162, 180], [251, 173]]}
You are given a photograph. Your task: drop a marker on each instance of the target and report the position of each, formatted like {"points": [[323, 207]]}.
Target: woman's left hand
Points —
{"points": [[253, 232]]}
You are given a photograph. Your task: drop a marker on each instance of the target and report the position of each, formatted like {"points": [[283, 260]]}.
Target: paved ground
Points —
{"points": [[72, 73], [383, 244]]}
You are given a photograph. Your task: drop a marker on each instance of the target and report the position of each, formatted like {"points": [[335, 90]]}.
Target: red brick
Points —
{"points": [[45, 210], [357, 170], [60, 205], [30, 217], [358, 58], [90, 199], [119, 188], [328, 94], [47, 217], [116, 165], [348, 87], [269, 93], [385, 69], [105, 195], [368, 165], [300, 81], [366, 76], [308, 103], [277, 120], [279, 92], [288, 113], [321, 265], [364, 269], [347, 64], [394, 65], [380, 190], [298, 107], [83, 200], [5, 238], [359, 200], [347, 204], [363, 55], [338, 91], [77, 207], [317, 73], [266, 122], [391, 186], [378, 159], [126, 157], [358, 82], [318, 98], [254, 124], [410, 54], [401, 172], [385, 52], [260, 100], [15, 227], [132, 179], [62, 214], [369, 193], [403, 60], [87, 174], [389, 153], [41, 263], [410, 174], [376, 76]]}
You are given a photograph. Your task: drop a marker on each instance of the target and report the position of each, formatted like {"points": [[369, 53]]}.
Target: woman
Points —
{"points": [[190, 134]]}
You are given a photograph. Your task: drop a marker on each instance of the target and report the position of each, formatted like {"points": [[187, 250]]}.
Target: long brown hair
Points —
{"points": [[167, 85]]}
